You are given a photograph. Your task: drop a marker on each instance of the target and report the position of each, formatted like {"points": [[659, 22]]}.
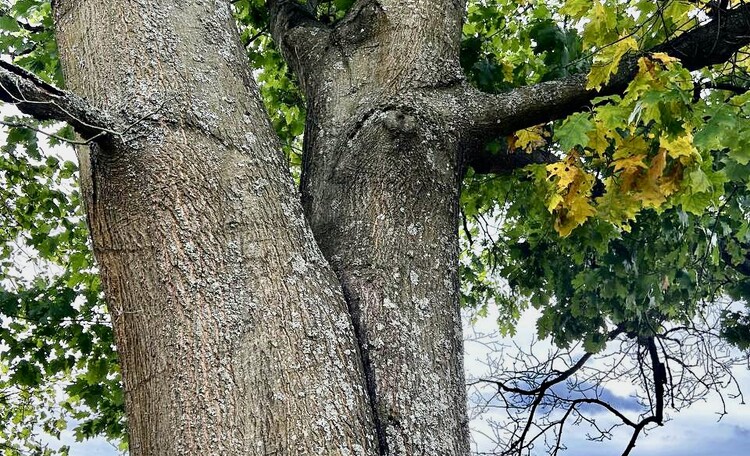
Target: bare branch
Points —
{"points": [[488, 116], [684, 364], [39, 99]]}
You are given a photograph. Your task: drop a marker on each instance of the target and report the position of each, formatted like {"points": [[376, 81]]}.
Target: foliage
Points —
{"points": [[278, 86], [651, 188], [55, 336], [26, 36], [643, 224]]}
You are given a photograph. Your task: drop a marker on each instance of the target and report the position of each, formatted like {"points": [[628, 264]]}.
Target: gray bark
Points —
{"points": [[380, 187], [233, 334]]}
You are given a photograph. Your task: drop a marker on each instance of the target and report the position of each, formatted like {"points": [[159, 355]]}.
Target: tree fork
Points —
{"points": [[380, 188], [232, 331]]}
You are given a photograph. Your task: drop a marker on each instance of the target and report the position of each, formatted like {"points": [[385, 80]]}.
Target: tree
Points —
{"points": [[249, 319]]}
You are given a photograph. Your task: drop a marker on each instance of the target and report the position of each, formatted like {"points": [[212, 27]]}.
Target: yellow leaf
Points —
{"points": [[628, 179], [664, 57], [607, 61], [629, 163], [571, 202], [576, 8], [651, 198], [565, 172], [616, 206], [681, 148], [632, 146], [670, 183], [554, 202], [658, 163], [651, 193], [576, 214], [529, 138], [598, 141], [565, 224], [508, 75]]}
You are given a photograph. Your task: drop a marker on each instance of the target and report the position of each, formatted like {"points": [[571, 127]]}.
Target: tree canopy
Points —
{"points": [[629, 218]]}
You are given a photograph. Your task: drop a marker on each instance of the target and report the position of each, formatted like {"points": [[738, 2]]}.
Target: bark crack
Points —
{"points": [[370, 386]]}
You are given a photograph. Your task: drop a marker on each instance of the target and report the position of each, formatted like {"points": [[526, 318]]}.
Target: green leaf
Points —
{"points": [[9, 24], [574, 131], [26, 374]]}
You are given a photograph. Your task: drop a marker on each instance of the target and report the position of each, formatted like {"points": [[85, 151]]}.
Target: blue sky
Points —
{"points": [[694, 431]]}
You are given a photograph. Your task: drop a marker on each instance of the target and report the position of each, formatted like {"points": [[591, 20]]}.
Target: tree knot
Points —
{"points": [[398, 121]]}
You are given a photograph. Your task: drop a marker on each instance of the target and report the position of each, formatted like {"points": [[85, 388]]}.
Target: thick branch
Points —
{"points": [[659, 379], [296, 31], [44, 101], [487, 116]]}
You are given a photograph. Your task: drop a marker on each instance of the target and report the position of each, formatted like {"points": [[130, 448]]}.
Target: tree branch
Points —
{"points": [[296, 30], [485, 116], [39, 99]]}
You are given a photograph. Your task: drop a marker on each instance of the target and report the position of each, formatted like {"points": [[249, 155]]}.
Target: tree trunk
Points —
{"points": [[380, 187], [233, 335]]}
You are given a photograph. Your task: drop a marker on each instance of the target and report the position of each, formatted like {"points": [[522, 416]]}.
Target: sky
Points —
{"points": [[695, 431]]}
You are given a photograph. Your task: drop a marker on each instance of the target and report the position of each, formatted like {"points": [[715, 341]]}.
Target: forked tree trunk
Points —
{"points": [[233, 335], [232, 330]]}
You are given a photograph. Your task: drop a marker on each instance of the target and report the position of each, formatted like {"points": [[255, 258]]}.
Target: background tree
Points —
{"points": [[227, 317]]}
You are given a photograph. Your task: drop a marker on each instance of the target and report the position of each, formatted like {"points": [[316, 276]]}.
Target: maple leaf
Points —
{"points": [[607, 62], [576, 8], [681, 148], [574, 131], [529, 138], [629, 164]]}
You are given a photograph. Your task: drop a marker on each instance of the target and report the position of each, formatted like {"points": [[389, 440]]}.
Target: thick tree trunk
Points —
{"points": [[232, 332], [380, 187]]}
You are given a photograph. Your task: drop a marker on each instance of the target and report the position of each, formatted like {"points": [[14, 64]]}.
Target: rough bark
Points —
{"points": [[380, 186], [233, 335]]}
